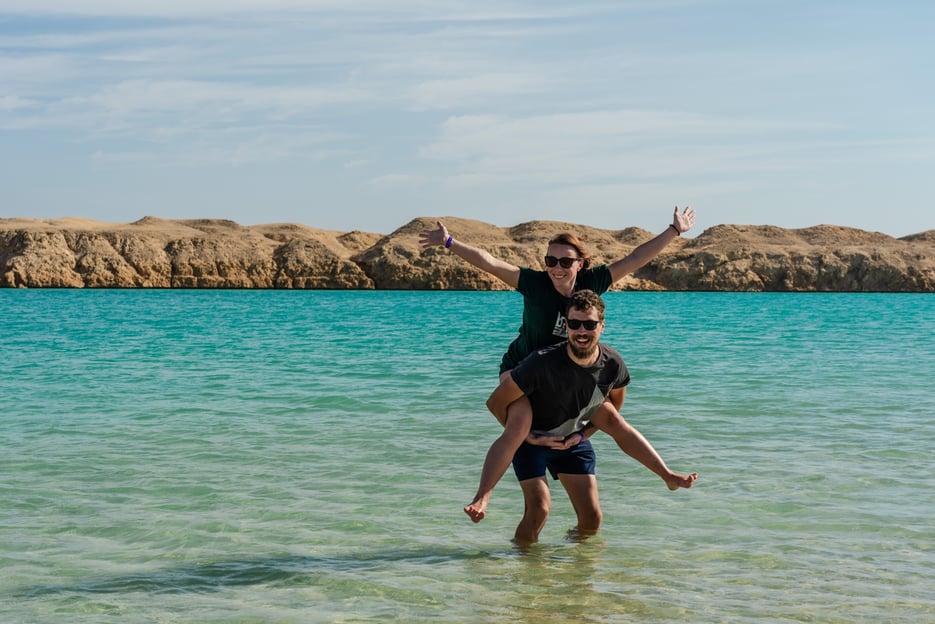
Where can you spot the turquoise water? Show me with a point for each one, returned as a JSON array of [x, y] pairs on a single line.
[[243, 456]]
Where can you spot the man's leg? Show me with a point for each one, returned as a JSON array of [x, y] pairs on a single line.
[[632, 442], [582, 491], [518, 423], [538, 501]]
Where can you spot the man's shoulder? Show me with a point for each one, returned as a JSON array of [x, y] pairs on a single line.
[[551, 352], [542, 368], [610, 351], [609, 354], [558, 347], [613, 366], [544, 358]]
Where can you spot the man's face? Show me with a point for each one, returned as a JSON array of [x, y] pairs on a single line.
[[583, 341]]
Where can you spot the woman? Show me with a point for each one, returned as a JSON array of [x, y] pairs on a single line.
[[545, 297], [568, 269]]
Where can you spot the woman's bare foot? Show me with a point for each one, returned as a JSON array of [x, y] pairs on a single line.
[[477, 509], [675, 481]]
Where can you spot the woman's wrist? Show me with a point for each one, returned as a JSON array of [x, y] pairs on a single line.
[[448, 241], [678, 232]]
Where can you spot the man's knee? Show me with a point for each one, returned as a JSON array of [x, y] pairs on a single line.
[[538, 508], [590, 519], [537, 503]]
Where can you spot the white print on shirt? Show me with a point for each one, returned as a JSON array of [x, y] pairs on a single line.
[[559, 329], [584, 416]]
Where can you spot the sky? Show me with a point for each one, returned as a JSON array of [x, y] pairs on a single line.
[[364, 114]]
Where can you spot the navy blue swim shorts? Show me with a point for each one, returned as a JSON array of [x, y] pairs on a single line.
[[531, 461]]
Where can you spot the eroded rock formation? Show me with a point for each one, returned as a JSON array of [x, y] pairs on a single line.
[[157, 253]]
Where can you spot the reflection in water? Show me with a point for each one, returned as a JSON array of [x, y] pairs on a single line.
[[218, 575], [554, 583], [537, 583]]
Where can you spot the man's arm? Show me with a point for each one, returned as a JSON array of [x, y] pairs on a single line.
[[616, 397], [501, 397]]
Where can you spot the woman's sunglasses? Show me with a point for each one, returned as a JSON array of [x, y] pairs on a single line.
[[551, 261]]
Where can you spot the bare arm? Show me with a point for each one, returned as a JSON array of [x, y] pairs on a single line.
[[501, 397], [500, 269], [681, 222], [616, 397]]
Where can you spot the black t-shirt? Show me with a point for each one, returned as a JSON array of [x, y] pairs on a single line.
[[544, 308], [563, 394]]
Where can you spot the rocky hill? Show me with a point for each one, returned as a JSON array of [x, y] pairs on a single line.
[[157, 253]]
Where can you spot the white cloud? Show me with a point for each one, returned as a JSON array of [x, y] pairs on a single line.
[[397, 180], [472, 91], [479, 10], [583, 148], [10, 103], [495, 99], [214, 99], [163, 8]]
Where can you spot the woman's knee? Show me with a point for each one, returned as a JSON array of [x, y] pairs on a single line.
[[520, 408], [605, 415], [518, 419], [514, 436]]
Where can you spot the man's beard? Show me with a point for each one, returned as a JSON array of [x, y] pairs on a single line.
[[583, 353]]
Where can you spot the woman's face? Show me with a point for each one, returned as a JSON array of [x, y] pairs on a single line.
[[560, 275]]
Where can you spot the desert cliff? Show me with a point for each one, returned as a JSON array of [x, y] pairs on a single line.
[[157, 253]]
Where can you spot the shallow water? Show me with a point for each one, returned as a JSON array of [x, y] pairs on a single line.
[[202, 456]]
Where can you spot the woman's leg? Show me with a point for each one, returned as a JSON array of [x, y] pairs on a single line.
[[632, 442], [499, 456]]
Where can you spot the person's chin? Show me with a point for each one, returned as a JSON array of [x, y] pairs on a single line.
[[583, 352]]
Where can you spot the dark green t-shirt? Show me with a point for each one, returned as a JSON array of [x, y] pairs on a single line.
[[543, 309]]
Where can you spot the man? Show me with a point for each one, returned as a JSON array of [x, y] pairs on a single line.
[[574, 387]]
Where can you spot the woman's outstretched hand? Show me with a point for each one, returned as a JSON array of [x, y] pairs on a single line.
[[437, 236], [684, 221]]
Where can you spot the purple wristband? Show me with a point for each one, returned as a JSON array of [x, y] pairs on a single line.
[[448, 242]]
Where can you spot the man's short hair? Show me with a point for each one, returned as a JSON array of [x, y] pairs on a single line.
[[584, 300]]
